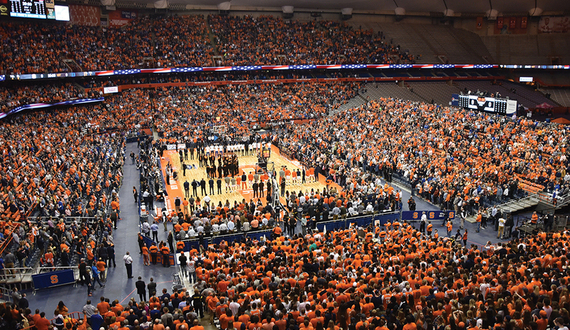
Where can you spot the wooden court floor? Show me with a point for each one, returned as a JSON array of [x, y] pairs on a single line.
[[247, 164]]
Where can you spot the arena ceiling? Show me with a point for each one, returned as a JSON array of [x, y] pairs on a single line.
[[411, 6]]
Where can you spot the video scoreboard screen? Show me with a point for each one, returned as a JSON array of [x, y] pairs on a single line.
[[38, 9], [484, 103], [28, 9]]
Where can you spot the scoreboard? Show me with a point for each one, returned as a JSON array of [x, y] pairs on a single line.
[[28, 9], [38, 9], [487, 104]]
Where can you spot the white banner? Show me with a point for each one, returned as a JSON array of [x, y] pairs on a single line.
[[110, 90]]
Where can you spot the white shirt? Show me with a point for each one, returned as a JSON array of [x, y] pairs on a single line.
[[234, 307], [128, 260], [502, 222]]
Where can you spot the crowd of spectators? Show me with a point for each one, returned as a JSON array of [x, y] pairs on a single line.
[[165, 41], [56, 164], [184, 41], [391, 277], [452, 158], [14, 96], [357, 278], [240, 107], [247, 40], [394, 278]]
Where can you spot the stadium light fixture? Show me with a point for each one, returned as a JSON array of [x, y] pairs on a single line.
[[400, 11], [534, 12], [346, 13], [225, 6], [288, 11], [492, 14], [161, 4]]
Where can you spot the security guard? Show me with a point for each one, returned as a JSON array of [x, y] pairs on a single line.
[[198, 303]]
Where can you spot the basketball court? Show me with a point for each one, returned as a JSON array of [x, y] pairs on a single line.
[[247, 164]]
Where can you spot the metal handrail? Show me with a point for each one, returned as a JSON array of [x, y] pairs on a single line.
[[47, 269], [71, 315], [5, 293], [16, 272], [8, 239], [345, 219]]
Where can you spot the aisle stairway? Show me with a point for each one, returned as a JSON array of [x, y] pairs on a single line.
[[513, 206]]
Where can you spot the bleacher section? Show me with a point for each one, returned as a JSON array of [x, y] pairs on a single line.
[[390, 89], [528, 49], [561, 96], [527, 93], [429, 41], [550, 78], [439, 92]]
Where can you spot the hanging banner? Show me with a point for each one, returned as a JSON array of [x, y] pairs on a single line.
[[84, 15], [512, 23], [549, 24], [120, 18], [500, 21], [524, 22]]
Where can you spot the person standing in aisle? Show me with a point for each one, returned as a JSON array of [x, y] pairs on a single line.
[[151, 286], [183, 260], [128, 264], [197, 302], [141, 289], [111, 256]]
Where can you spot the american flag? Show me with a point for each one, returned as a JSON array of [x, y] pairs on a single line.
[[353, 66], [129, 71], [191, 69], [302, 67], [444, 66], [246, 68], [400, 66], [483, 66]]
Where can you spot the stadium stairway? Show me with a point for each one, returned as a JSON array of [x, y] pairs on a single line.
[[513, 206], [353, 103]]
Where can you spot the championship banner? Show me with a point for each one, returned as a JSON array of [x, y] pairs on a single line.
[[84, 15], [431, 215]]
